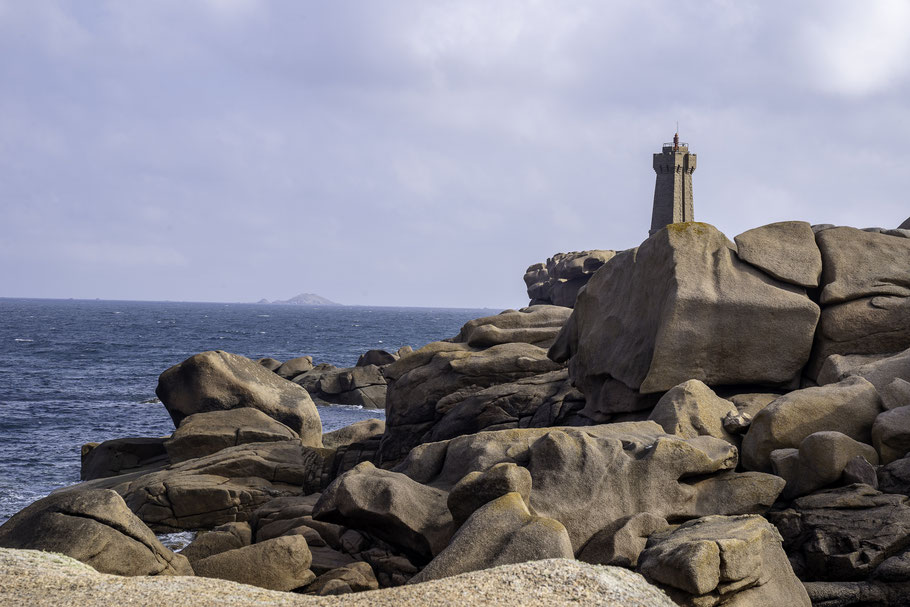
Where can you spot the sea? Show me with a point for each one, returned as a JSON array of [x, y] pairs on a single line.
[[77, 371]]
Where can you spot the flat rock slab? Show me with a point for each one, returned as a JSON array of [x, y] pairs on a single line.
[[42, 580]]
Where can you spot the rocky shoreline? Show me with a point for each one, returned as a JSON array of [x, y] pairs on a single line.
[[729, 420]]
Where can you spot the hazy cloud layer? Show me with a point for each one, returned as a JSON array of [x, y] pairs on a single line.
[[422, 153]]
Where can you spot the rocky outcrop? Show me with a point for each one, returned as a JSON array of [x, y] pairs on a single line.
[[443, 372], [821, 460], [891, 434], [849, 407], [224, 487], [785, 251], [363, 386], [843, 534], [693, 409], [380, 358], [477, 489], [290, 369], [558, 281], [683, 306], [538, 325], [203, 434], [94, 527], [356, 577], [354, 433], [390, 506], [621, 542], [538, 401], [865, 294], [501, 532], [220, 539], [588, 478], [216, 381], [718, 560], [279, 564], [122, 456]]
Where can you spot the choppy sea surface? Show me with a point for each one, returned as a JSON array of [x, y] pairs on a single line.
[[75, 371]]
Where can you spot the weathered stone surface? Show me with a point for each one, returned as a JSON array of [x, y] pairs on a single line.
[[220, 539], [871, 325], [95, 527], [47, 580], [543, 400], [122, 456], [693, 409], [587, 478], [390, 506], [501, 532], [478, 488], [859, 470], [537, 325], [275, 517], [683, 306], [443, 372], [269, 363], [849, 407], [891, 434], [364, 386], [819, 461], [279, 564], [294, 367], [858, 594], [216, 380], [889, 374], [621, 542], [224, 487], [859, 264], [326, 558], [202, 434], [718, 560], [558, 280], [895, 477], [751, 403], [356, 577], [843, 534], [784, 250], [353, 433], [840, 366], [378, 358]]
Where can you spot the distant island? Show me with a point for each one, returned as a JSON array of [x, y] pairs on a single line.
[[304, 299]]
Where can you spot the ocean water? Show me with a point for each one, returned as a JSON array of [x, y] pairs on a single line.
[[74, 371]]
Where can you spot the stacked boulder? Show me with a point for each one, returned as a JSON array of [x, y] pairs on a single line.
[[558, 281]]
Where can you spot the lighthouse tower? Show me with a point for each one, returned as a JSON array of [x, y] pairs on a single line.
[[673, 200]]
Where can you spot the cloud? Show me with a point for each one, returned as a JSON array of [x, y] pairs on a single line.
[[424, 153], [858, 49]]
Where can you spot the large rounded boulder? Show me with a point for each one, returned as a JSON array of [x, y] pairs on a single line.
[[95, 527], [218, 381]]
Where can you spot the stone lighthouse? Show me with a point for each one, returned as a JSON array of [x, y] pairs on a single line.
[[673, 190]]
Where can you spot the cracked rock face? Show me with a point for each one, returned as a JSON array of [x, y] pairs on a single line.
[[93, 526]]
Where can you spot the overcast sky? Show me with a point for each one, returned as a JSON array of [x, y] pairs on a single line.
[[422, 153]]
